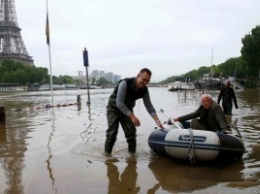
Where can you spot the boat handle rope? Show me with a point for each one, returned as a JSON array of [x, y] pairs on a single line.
[[191, 156]]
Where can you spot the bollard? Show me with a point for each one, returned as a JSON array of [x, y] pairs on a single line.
[[78, 99], [2, 114]]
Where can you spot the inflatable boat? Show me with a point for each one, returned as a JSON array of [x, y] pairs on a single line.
[[181, 142]]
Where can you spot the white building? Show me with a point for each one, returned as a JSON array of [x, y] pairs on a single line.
[[80, 73], [102, 74], [109, 76], [95, 74], [117, 78], [80, 77]]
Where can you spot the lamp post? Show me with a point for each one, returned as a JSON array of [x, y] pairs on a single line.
[[86, 64]]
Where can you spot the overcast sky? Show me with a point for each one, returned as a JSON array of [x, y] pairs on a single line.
[[170, 37]]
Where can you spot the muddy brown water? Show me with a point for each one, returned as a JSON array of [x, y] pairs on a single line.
[[60, 150]]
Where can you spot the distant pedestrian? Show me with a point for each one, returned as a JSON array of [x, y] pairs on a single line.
[[120, 109], [228, 96]]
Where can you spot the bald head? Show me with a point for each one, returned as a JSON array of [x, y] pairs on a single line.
[[206, 101], [228, 83]]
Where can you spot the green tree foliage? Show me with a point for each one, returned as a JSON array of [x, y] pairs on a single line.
[[245, 67], [62, 79], [23, 74], [16, 72], [251, 54], [102, 80], [233, 67], [191, 75], [93, 80], [39, 75]]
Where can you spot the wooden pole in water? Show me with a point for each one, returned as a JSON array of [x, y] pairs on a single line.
[[2, 115]]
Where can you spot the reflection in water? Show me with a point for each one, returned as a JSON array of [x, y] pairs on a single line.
[[48, 161], [12, 148], [249, 126], [89, 127], [2, 134], [79, 132], [250, 98], [2, 115], [176, 177], [154, 189], [79, 107], [89, 112], [126, 183]]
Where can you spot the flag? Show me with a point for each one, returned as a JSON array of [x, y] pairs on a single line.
[[47, 30]]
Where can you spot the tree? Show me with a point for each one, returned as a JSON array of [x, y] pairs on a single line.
[[250, 52], [233, 67], [93, 80], [15, 72], [103, 81], [62, 79]]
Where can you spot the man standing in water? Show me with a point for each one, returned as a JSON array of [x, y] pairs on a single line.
[[227, 94], [120, 109]]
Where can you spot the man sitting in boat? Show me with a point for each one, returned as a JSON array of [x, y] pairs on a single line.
[[211, 116]]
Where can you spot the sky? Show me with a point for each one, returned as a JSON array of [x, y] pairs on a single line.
[[170, 37]]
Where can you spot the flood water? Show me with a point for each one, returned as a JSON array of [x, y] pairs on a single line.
[[60, 150]]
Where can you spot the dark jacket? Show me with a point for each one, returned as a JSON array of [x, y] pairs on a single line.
[[132, 94], [216, 118], [227, 94]]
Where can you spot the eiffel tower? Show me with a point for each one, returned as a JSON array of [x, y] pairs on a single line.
[[11, 42]]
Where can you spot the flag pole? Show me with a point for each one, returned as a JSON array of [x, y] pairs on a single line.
[[211, 69], [49, 47]]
